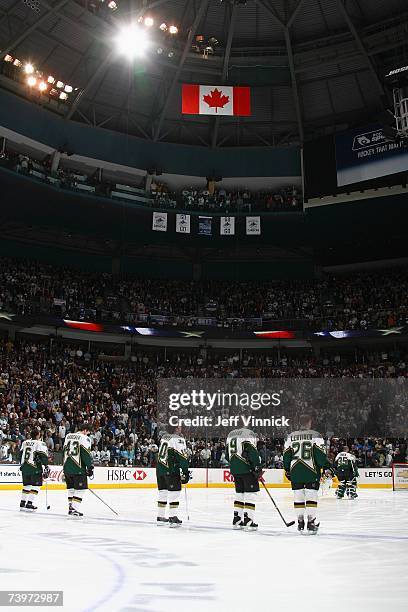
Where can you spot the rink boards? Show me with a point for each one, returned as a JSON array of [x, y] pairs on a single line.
[[145, 478]]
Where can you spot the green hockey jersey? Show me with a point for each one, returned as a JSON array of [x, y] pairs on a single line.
[[242, 454], [77, 454], [345, 465], [305, 457], [172, 456], [33, 456]]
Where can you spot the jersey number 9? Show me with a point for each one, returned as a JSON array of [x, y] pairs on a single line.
[[233, 446]]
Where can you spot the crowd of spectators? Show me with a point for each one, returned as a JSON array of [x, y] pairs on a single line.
[[287, 199], [55, 386], [63, 177], [356, 301]]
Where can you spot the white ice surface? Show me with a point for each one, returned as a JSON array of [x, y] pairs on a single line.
[[359, 559]]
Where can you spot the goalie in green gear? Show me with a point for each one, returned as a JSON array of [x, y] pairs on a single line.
[[346, 468], [78, 465], [34, 459], [245, 466], [171, 472], [304, 459]]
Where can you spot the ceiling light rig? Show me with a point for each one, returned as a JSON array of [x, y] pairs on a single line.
[[205, 45], [34, 5], [102, 8], [148, 34], [132, 41], [36, 81]]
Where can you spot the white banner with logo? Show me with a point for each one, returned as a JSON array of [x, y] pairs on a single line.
[[137, 477], [253, 226], [227, 226], [159, 223], [182, 224], [375, 476]]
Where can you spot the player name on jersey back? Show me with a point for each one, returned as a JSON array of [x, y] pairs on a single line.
[[297, 436]]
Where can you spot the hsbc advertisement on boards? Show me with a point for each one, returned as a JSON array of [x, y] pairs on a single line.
[[366, 154], [125, 475]]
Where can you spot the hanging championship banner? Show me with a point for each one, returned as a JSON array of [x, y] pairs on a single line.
[[227, 226], [205, 226], [182, 224], [253, 226], [159, 222]]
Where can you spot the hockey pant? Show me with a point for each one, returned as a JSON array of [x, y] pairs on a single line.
[[305, 502], [245, 503], [170, 497]]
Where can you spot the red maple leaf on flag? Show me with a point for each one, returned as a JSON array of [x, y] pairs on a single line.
[[216, 99]]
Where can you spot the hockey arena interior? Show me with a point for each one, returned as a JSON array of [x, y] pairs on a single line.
[[204, 305]]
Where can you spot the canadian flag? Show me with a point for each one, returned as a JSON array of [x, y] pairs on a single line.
[[216, 100]]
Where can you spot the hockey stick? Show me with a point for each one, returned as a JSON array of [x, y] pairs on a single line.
[[274, 503], [104, 502], [186, 497], [46, 496]]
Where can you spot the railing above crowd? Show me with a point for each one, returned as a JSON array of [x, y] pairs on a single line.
[[156, 195], [220, 200]]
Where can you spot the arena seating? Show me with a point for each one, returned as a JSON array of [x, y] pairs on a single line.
[[54, 387], [356, 301]]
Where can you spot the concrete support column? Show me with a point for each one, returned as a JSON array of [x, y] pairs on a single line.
[[149, 180], [55, 161]]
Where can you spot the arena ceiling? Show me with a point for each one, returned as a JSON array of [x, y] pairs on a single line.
[[314, 66]]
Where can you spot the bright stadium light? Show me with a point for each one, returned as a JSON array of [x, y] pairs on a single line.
[[31, 81], [173, 29], [51, 80], [63, 95], [42, 86], [28, 68], [148, 21], [132, 42], [163, 27]]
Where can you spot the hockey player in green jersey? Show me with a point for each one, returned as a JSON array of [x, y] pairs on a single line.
[[346, 468], [171, 472], [304, 458], [245, 465], [34, 466], [77, 467]]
